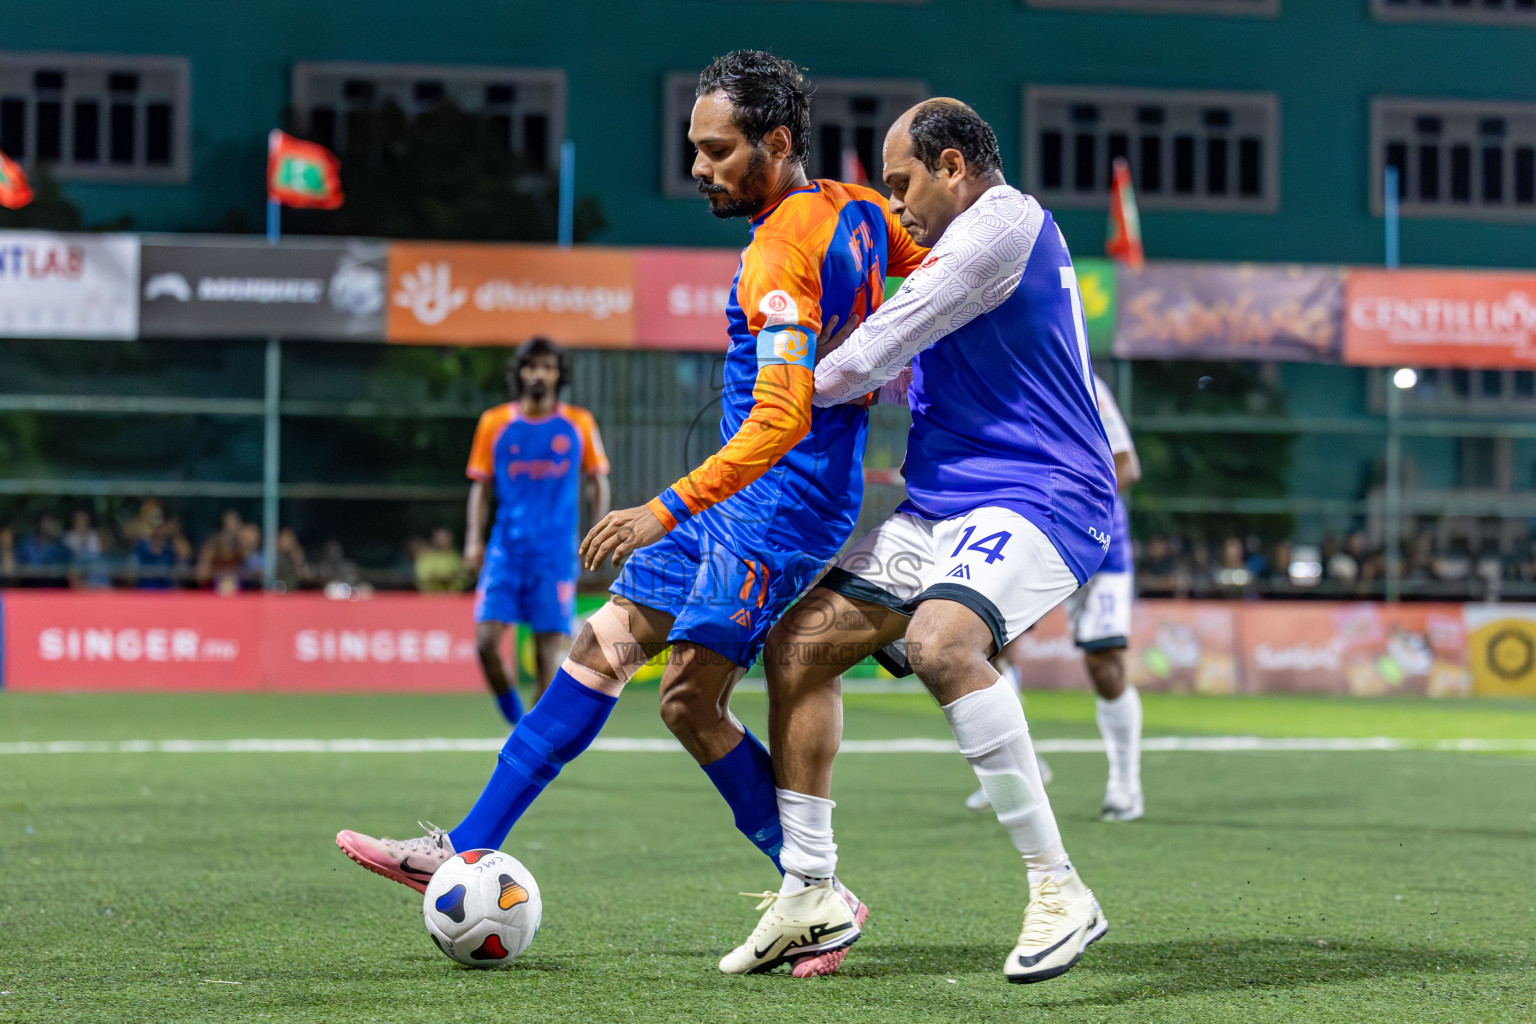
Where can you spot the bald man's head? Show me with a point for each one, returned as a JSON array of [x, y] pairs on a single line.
[[943, 123]]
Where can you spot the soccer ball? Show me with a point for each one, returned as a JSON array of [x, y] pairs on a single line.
[[482, 908]]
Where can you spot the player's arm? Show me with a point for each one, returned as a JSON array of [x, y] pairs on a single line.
[[967, 274], [596, 496], [481, 470], [1127, 465], [781, 290]]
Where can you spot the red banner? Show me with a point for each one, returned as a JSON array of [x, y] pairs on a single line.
[[681, 297], [186, 641], [1418, 318]]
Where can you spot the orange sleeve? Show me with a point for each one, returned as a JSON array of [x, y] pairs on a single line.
[[779, 290], [594, 460], [902, 254], [482, 458]]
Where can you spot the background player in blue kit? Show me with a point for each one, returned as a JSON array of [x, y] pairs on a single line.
[[542, 460]]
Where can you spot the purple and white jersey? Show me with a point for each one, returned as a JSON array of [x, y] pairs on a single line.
[[1118, 558], [1001, 393]]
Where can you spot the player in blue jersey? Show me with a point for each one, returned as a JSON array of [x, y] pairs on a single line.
[[1100, 616], [1010, 495], [711, 562], [542, 460]]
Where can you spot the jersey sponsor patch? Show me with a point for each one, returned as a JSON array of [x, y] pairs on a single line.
[[786, 343], [779, 308]]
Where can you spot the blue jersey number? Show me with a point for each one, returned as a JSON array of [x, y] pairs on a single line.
[[993, 553]]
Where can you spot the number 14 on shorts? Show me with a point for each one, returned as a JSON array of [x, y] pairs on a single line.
[[991, 545]]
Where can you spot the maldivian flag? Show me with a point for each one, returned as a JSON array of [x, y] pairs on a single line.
[[1124, 241], [14, 190], [301, 173], [853, 167]]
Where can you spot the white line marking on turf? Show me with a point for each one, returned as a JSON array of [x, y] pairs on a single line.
[[912, 745]]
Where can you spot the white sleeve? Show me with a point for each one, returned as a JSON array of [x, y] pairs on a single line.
[[1114, 424], [975, 267]]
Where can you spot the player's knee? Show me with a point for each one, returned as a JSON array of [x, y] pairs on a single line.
[[940, 658], [688, 711], [1107, 670], [488, 640]]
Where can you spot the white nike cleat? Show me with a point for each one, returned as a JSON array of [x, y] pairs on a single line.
[[819, 965], [1122, 803], [979, 801], [1062, 919], [816, 920], [410, 862]]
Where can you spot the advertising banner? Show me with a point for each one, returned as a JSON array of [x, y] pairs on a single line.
[[1364, 650], [1428, 318], [1096, 284], [1501, 643], [141, 641], [197, 641], [1281, 312], [680, 297], [228, 286], [68, 286], [446, 294]]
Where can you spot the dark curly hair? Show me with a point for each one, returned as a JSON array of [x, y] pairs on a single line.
[[526, 353], [766, 91], [938, 126]]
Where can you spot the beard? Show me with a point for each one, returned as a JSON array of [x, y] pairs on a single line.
[[538, 390], [749, 200]]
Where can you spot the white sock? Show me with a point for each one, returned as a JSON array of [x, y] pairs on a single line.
[[1011, 675], [990, 729], [809, 855], [1120, 725]]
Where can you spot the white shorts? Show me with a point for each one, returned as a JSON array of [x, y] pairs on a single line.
[[992, 560], [1100, 612]]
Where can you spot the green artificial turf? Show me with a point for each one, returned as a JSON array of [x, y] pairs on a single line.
[[1351, 887]]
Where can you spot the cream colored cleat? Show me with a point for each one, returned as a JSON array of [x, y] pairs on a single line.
[[1062, 919], [813, 921]]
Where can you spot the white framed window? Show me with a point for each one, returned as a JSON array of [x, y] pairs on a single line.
[[849, 118], [1467, 159], [1240, 8], [1216, 151], [1485, 12], [524, 107], [97, 117]]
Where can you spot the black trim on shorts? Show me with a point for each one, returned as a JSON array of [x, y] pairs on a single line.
[[975, 601], [841, 581], [893, 658], [1107, 643]]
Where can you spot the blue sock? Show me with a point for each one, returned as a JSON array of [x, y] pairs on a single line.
[[745, 778], [561, 725], [511, 706]]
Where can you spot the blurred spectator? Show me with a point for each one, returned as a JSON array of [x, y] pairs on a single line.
[[160, 555], [1338, 565], [87, 554], [151, 513], [252, 560], [220, 560], [1233, 570], [1456, 563], [7, 552], [41, 555], [335, 567], [439, 566], [293, 570]]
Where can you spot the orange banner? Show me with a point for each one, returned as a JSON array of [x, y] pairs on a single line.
[[1421, 318], [448, 294]]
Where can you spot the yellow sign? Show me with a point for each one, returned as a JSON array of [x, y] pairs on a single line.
[[1503, 656]]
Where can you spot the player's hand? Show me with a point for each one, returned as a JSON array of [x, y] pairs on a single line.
[[833, 336], [474, 558], [619, 535]]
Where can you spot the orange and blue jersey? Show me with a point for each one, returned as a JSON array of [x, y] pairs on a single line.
[[536, 468], [750, 528]]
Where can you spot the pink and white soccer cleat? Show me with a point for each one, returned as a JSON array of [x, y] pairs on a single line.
[[826, 963], [410, 862]]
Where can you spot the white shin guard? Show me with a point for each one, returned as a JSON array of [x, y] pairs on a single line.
[[1120, 725], [808, 852], [990, 729]]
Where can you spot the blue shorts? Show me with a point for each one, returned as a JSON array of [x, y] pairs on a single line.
[[543, 600], [723, 591]]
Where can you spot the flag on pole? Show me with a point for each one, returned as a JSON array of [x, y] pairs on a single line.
[[1124, 241], [303, 174], [853, 167], [14, 190]]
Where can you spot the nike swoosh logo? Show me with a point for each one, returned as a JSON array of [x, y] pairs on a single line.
[[1030, 961], [405, 868], [761, 953]]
